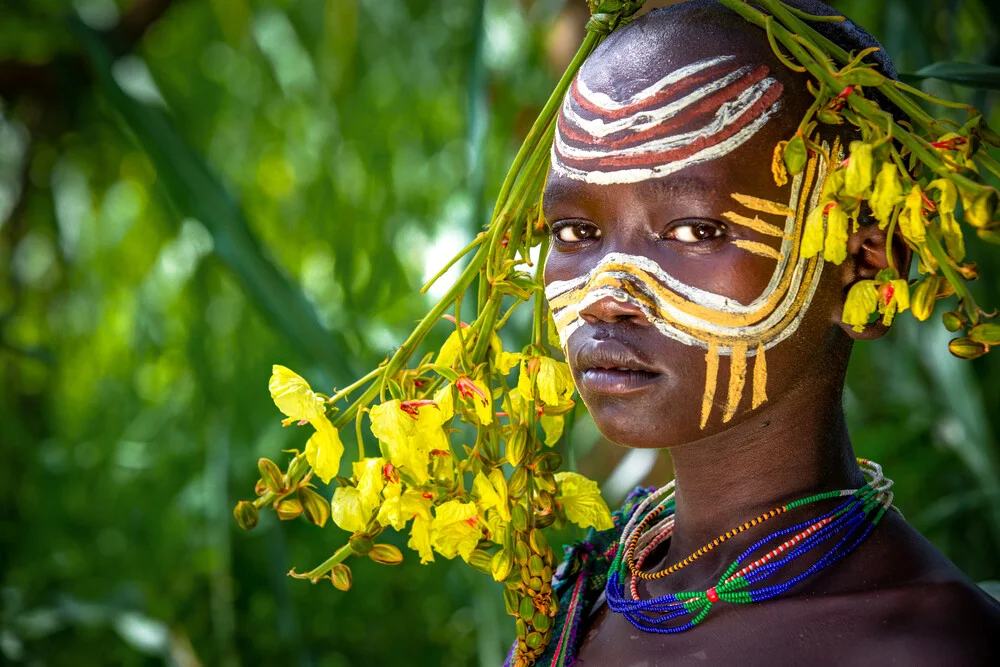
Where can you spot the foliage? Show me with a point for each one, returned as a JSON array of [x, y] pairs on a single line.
[[135, 351]]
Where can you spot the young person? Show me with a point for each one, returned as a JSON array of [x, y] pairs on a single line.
[[693, 321]]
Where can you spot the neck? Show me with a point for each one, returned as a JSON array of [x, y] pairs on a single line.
[[792, 448]]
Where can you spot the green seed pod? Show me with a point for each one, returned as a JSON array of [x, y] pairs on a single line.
[[482, 561], [246, 515], [271, 474], [315, 506], [535, 565], [541, 621], [987, 334], [288, 509], [526, 609], [517, 447], [953, 321], [521, 628], [535, 584], [533, 640], [796, 155], [966, 348], [341, 577], [501, 564], [547, 573], [545, 481], [524, 574], [361, 544]]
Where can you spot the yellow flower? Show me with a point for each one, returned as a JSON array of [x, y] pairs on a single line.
[[353, 506], [478, 393], [859, 169], [451, 351], [491, 492], [911, 220], [293, 395], [324, 450], [401, 506], [582, 502], [553, 380], [887, 193], [861, 302], [349, 509], [420, 539], [894, 297], [950, 229], [408, 432], [979, 209], [835, 248], [812, 237], [455, 529]]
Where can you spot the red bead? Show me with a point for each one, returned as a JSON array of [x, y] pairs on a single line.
[[712, 595]]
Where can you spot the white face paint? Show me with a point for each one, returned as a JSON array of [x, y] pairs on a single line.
[[693, 115]]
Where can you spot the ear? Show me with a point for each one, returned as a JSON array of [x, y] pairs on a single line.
[[866, 256]]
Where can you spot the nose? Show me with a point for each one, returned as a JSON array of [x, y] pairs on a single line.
[[612, 311]]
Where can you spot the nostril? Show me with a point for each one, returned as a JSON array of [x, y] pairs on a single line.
[[609, 309]]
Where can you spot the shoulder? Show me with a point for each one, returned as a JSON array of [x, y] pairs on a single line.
[[942, 623]]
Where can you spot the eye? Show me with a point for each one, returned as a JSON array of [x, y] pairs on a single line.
[[576, 232], [695, 231]]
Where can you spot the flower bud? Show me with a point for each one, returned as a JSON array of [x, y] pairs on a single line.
[[533, 640], [829, 117], [863, 76], [521, 553], [341, 577], [386, 554], [315, 506], [526, 609], [271, 474], [519, 518], [924, 297], [288, 509], [518, 482], [953, 321], [990, 233], [246, 515], [361, 543], [541, 621], [980, 208], [537, 541], [260, 488], [966, 348], [482, 561], [548, 462], [545, 482], [297, 469], [796, 155], [535, 565], [545, 518], [510, 601], [501, 565], [517, 446], [987, 334]]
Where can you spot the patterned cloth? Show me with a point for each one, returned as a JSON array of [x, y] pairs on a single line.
[[578, 583]]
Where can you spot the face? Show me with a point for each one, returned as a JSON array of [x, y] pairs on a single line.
[[674, 276]]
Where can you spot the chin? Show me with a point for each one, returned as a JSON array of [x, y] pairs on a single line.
[[659, 415]]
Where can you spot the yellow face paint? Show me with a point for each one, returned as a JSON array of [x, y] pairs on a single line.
[[720, 325]]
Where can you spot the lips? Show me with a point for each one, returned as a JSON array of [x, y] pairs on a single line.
[[611, 367]]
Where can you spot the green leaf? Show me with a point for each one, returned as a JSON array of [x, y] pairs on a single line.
[[965, 74]]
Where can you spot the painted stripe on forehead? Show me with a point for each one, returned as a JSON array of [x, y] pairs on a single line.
[[686, 118], [606, 102]]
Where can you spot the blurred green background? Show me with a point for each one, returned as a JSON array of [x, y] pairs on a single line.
[[191, 191]]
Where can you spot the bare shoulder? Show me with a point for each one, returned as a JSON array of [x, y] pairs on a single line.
[[941, 623]]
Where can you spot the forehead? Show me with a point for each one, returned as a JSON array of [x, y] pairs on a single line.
[[660, 99]]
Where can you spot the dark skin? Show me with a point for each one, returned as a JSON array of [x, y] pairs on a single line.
[[896, 599]]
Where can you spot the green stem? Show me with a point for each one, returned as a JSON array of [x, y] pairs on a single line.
[[964, 295], [338, 557], [538, 333], [462, 253], [351, 387]]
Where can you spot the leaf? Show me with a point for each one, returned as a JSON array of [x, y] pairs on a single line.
[[972, 75]]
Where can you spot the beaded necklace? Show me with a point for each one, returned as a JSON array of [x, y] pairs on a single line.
[[852, 520]]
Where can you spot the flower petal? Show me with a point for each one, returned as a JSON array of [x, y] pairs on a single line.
[[582, 501]]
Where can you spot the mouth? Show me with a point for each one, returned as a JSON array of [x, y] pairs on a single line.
[[610, 367]]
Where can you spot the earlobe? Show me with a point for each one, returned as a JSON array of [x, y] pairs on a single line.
[[867, 257]]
